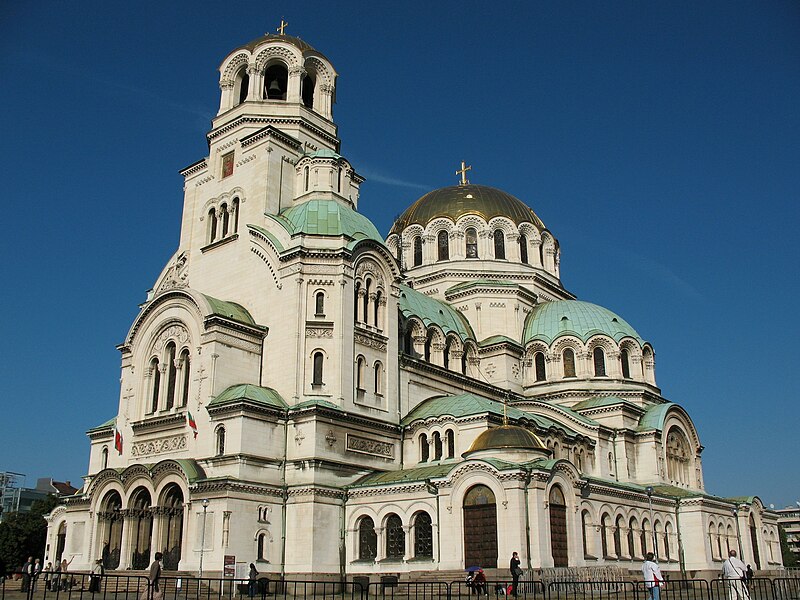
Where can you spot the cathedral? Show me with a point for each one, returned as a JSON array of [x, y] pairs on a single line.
[[300, 392]]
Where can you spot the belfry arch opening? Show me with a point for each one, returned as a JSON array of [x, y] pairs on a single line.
[[307, 91], [276, 80]]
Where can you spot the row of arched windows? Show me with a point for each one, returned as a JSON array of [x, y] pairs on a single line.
[[436, 448], [223, 221], [595, 365], [276, 85], [471, 246], [368, 304], [169, 379], [391, 537], [625, 539], [361, 376]]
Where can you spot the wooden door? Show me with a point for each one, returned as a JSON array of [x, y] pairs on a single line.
[[480, 528], [558, 528]]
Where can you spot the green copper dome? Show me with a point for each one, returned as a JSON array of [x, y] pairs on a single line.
[[327, 217], [459, 200], [551, 320]]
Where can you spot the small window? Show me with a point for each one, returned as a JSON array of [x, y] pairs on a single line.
[[437, 446], [378, 369], [225, 216], [599, 362], [499, 244], [377, 309], [235, 212], [423, 536], [626, 367], [538, 360], [569, 363], [451, 443], [262, 547], [395, 537], [186, 368], [317, 376], [319, 304], [172, 375], [306, 177], [365, 300], [155, 372], [443, 245], [227, 165], [360, 374], [355, 301], [220, 441], [417, 251], [367, 539], [472, 243], [523, 249], [104, 460], [424, 448], [212, 225]]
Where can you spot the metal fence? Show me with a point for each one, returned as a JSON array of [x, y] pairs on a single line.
[[83, 586]]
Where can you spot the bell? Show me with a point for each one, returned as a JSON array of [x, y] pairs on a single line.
[[274, 91]]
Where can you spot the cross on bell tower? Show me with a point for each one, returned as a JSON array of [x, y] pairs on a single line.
[[463, 172], [282, 27]]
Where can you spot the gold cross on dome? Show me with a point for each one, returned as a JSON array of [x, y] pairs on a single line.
[[463, 172], [282, 27]]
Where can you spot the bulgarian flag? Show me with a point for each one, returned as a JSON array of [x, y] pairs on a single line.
[[192, 423], [117, 440]]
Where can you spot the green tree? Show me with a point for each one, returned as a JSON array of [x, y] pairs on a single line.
[[789, 557], [24, 534]]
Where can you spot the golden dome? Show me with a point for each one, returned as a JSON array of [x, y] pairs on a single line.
[[507, 437], [458, 200]]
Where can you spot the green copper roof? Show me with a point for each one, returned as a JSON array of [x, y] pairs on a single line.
[[327, 217], [324, 153], [275, 241], [456, 201], [259, 395], [654, 417], [461, 405], [405, 475], [496, 339], [314, 402], [107, 425], [431, 310], [230, 310], [459, 287], [551, 320], [194, 472], [602, 402]]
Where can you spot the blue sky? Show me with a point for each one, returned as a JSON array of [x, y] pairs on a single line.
[[660, 142]]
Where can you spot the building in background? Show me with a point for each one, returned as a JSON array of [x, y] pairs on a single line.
[[14, 497], [300, 392], [789, 520]]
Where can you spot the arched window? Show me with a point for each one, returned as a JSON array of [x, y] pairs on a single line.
[[365, 300], [423, 535], [523, 249], [643, 537], [367, 539], [443, 245], [678, 456], [395, 537], [275, 82], [599, 362], [212, 225], [424, 448], [584, 524], [464, 360], [428, 342], [376, 309], [712, 533], [319, 304], [667, 538], [360, 362], [186, 368], [104, 458], [604, 525], [472, 242], [451, 443], [378, 371], [155, 372], [437, 446], [568, 358], [355, 301], [317, 374], [262, 547], [631, 538], [308, 91], [243, 82], [446, 354], [538, 362], [624, 359], [499, 244], [235, 213], [417, 251], [220, 444], [225, 216], [306, 178], [172, 375], [618, 537]]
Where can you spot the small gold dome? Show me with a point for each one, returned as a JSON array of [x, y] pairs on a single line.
[[507, 437]]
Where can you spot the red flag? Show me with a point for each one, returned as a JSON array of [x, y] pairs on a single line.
[[192, 423], [118, 440]]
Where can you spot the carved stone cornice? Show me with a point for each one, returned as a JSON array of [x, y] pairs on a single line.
[[197, 167], [159, 423], [276, 122], [370, 339], [271, 132]]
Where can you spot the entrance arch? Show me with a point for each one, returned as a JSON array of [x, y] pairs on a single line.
[[61, 541], [142, 526], [558, 527], [171, 526], [111, 523], [480, 528]]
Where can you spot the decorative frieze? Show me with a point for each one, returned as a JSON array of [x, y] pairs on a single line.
[[160, 446], [319, 332], [370, 342], [368, 446]]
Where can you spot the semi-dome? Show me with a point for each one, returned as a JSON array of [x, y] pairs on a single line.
[[327, 217], [551, 320], [506, 437], [456, 201]]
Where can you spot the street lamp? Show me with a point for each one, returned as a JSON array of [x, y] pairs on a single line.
[[649, 491], [738, 532], [203, 535]]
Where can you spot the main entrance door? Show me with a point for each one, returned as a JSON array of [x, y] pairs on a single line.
[[558, 527], [480, 528]]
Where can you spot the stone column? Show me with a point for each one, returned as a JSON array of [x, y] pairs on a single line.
[[256, 83], [226, 98], [293, 92]]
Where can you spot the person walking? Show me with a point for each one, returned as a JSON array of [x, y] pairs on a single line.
[[48, 576], [516, 572], [653, 579], [252, 582], [97, 576], [734, 572], [35, 572], [154, 577], [27, 569]]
